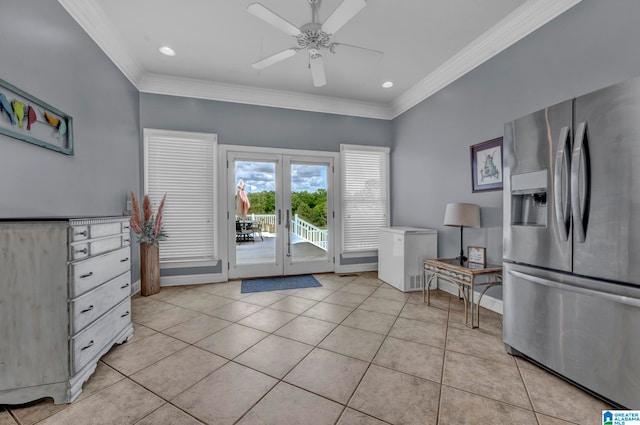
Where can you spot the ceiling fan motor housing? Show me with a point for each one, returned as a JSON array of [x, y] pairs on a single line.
[[313, 38]]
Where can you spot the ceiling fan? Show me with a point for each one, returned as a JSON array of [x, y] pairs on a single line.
[[312, 37]]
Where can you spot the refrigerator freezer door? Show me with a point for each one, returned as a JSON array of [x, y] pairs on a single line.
[[583, 329], [536, 165], [610, 208]]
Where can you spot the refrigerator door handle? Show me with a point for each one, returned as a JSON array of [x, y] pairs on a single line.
[[560, 193], [580, 165], [584, 291]]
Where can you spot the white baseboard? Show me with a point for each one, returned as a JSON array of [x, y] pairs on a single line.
[[487, 302], [135, 287]]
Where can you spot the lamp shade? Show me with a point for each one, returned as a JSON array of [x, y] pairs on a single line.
[[462, 215]]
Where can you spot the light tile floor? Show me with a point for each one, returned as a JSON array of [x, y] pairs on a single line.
[[356, 351]]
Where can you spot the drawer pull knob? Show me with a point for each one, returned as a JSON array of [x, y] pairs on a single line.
[[124, 260], [82, 276], [124, 286], [127, 240], [125, 315], [83, 233], [87, 346], [82, 251], [88, 309]]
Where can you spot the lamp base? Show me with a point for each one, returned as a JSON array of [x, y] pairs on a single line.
[[461, 257]]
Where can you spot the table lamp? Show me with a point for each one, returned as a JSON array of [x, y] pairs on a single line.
[[462, 215]]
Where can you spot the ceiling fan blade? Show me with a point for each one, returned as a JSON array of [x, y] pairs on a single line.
[[270, 17], [317, 71], [343, 14], [285, 54], [332, 48]]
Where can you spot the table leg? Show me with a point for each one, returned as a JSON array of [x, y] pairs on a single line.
[[424, 285], [473, 306], [428, 292]]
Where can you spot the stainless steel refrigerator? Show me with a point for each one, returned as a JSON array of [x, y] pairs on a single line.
[[572, 240]]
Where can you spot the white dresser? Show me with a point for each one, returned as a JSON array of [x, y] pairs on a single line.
[[65, 300]]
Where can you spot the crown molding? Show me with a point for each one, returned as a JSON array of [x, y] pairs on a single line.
[[201, 89], [524, 20], [521, 22], [94, 22]]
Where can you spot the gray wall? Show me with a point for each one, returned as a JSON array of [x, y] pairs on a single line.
[[45, 53], [250, 125], [590, 46]]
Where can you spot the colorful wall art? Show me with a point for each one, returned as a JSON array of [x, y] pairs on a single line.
[[31, 120]]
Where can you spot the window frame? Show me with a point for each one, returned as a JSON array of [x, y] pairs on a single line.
[[344, 250], [148, 137]]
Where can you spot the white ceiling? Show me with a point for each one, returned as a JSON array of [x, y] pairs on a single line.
[[426, 44]]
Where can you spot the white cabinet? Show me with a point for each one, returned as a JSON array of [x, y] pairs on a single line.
[[65, 299], [400, 254]]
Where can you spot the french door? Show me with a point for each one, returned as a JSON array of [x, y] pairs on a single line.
[[283, 222]]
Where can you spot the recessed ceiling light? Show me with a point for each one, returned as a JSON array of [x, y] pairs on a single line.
[[387, 84], [167, 51]]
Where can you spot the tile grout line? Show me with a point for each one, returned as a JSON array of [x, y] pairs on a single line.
[[294, 366], [444, 356], [373, 358], [524, 384], [302, 359]]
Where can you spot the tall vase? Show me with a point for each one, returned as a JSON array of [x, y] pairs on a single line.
[[149, 269]]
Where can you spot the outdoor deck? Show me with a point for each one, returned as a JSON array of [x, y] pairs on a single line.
[[263, 251]]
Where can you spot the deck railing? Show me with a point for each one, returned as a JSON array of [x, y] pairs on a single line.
[[309, 232], [305, 230]]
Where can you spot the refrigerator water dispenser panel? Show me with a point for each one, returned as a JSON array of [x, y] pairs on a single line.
[[529, 199]]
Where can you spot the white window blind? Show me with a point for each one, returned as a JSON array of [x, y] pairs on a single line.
[[365, 196], [182, 165]]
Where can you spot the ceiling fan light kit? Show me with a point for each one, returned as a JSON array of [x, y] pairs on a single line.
[[312, 37]]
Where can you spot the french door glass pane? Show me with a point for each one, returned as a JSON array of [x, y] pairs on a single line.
[[255, 212], [308, 230]]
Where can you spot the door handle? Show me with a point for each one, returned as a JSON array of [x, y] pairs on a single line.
[[621, 299], [580, 172], [279, 217], [288, 226], [561, 202]]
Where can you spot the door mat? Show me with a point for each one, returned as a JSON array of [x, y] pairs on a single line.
[[278, 283]]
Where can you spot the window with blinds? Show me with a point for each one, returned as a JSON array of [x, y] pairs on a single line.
[[365, 196], [183, 165]]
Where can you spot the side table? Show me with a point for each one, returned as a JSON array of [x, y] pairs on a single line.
[[464, 276]]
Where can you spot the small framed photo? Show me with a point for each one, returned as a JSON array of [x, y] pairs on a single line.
[[486, 166], [477, 255]]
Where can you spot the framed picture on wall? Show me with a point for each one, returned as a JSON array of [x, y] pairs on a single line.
[[486, 166]]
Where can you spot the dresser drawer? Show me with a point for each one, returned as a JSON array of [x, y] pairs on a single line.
[[87, 274], [93, 247], [88, 343], [78, 250], [79, 233], [95, 303], [104, 229]]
